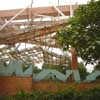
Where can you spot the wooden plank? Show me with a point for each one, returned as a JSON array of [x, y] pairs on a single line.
[[50, 11], [30, 37]]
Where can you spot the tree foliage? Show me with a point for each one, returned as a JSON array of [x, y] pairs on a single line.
[[83, 32]]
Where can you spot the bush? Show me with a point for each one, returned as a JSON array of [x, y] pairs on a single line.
[[66, 94]]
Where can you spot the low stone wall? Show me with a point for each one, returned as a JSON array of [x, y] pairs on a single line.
[[11, 85]]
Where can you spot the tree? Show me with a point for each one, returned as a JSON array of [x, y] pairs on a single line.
[[83, 32]]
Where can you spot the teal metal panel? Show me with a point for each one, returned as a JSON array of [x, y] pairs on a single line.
[[41, 75], [16, 68], [7, 70], [68, 73], [76, 76], [28, 72], [92, 76], [59, 75], [52, 73], [2, 65], [19, 69]]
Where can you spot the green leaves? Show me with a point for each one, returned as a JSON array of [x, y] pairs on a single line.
[[83, 33]]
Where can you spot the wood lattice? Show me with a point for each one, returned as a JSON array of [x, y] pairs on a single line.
[[38, 33]]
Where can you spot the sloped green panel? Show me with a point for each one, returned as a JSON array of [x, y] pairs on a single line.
[[7, 70], [76, 75], [41, 75], [58, 75], [55, 74], [19, 69], [2, 65], [16, 68], [28, 71], [92, 76], [68, 73]]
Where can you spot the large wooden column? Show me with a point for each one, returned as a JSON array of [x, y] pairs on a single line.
[[74, 59]]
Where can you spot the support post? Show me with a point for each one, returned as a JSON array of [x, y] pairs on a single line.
[[59, 11], [71, 9], [74, 59]]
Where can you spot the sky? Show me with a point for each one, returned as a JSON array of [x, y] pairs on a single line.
[[13, 4]]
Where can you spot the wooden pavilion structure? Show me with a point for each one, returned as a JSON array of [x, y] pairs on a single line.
[[28, 26]]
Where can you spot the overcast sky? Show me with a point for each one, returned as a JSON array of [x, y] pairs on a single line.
[[13, 4]]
